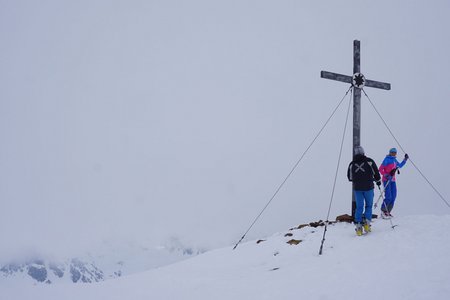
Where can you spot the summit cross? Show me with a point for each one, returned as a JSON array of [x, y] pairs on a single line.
[[358, 82]]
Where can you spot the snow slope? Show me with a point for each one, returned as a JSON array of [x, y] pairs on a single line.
[[408, 262]]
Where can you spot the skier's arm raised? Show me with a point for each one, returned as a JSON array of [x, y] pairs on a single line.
[[400, 165]]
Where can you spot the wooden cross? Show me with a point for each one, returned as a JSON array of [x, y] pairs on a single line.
[[358, 82]]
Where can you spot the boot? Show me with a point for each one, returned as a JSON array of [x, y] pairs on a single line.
[[367, 227], [385, 215], [358, 229]]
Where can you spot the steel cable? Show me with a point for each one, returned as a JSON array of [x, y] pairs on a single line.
[[292, 170]]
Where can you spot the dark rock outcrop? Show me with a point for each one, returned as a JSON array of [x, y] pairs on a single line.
[[85, 272], [37, 272]]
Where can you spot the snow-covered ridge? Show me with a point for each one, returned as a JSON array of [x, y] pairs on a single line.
[[408, 262], [113, 260], [44, 271]]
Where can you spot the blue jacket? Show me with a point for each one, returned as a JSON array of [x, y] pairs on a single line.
[[389, 163]]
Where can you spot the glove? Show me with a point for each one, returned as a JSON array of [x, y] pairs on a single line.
[[406, 156], [392, 173], [378, 182]]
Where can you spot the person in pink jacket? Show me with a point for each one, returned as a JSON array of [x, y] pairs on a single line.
[[388, 168]]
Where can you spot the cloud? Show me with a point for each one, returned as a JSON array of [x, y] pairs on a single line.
[[155, 120]]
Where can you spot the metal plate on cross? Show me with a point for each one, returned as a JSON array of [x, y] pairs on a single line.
[[358, 80]]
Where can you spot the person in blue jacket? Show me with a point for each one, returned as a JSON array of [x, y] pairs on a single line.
[[388, 168]]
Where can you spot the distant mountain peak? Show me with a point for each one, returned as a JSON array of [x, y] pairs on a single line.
[[47, 271], [114, 261]]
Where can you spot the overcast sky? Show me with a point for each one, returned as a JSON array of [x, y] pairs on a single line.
[[154, 119]]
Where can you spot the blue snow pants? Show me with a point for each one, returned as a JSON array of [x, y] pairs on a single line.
[[364, 202], [389, 196]]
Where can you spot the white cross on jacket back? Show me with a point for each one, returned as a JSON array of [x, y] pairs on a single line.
[[363, 171]]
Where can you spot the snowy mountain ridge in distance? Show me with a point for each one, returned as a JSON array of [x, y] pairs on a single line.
[[410, 262], [113, 260]]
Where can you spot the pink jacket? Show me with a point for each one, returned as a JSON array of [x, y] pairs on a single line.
[[389, 163]]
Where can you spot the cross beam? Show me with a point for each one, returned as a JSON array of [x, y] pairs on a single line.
[[358, 81], [349, 79]]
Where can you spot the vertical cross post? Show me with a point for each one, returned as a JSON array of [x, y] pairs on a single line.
[[358, 81], [356, 108]]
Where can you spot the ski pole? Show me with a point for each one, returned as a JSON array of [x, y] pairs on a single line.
[[381, 193], [390, 218]]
